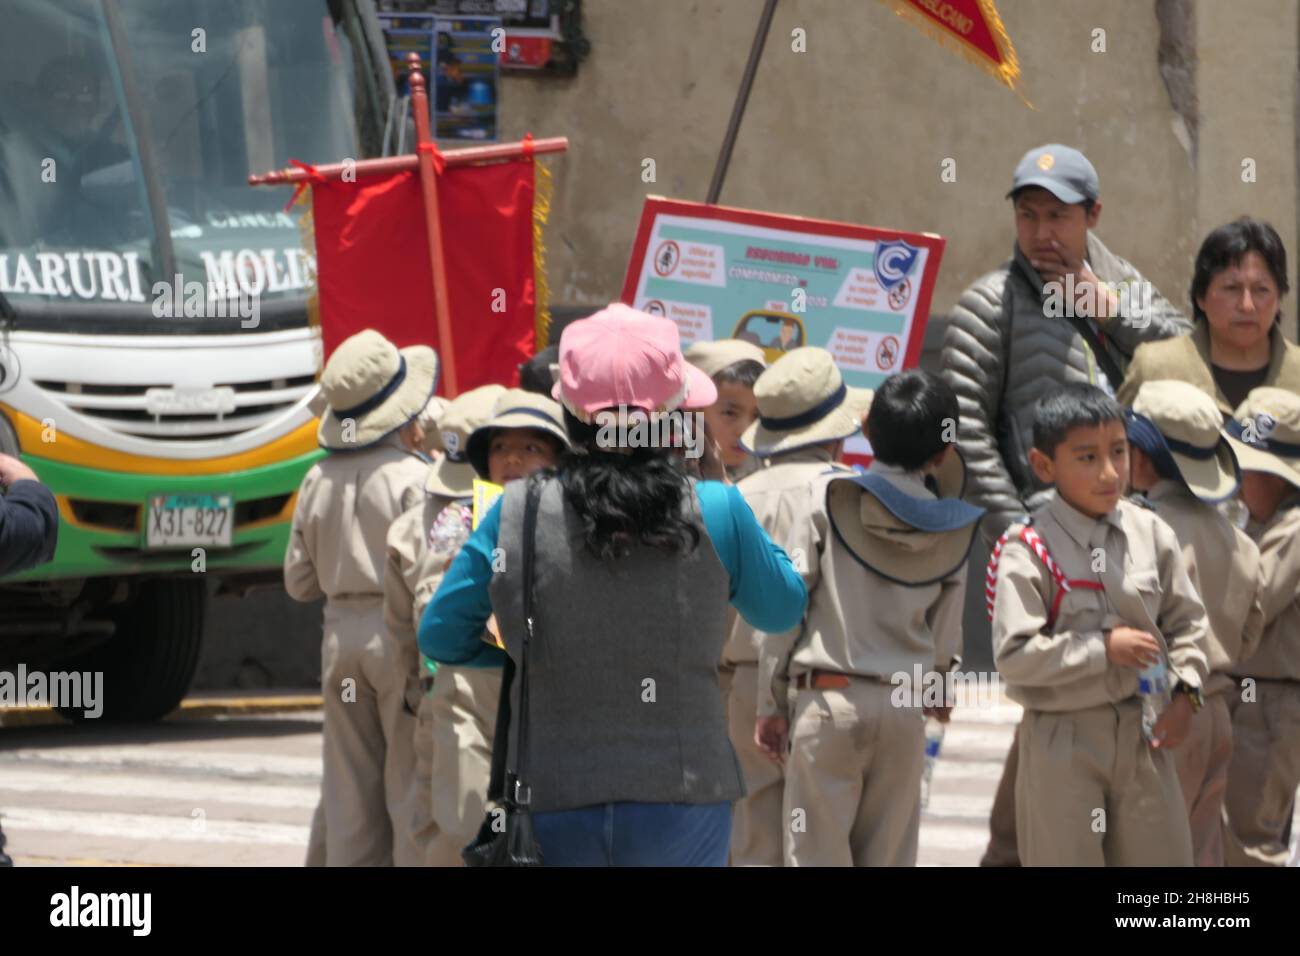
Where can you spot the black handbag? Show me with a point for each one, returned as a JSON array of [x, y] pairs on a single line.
[[506, 836]]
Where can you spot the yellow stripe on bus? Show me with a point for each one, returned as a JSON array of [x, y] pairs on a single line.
[[74, 451]]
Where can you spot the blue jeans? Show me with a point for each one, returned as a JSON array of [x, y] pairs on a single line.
[[636, 834]]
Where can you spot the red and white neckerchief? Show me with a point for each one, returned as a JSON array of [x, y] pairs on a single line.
[[1063, 584]]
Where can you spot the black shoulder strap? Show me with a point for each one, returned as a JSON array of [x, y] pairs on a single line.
[[501, 737]]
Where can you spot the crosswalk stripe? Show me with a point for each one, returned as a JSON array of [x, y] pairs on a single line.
[[142, 826], [157, 758], [156, 786]]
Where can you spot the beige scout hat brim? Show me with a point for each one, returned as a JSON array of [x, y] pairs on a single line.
[[517, 408], [1253, 459], [842, 421], [712, 357], [897, 529], [374, 424], [1210, 479], [1265, 433], [1180, 426], [452, 475]]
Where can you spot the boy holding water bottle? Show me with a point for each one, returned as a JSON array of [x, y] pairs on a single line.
[[1087, 595], [884, 608], [1184, 465]]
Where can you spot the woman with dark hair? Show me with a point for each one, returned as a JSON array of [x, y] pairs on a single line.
[[1237, 344], [628, 756]]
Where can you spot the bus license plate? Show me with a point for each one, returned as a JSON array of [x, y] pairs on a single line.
[[181, 521]]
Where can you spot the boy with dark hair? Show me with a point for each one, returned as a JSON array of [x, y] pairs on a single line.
[[1265, 767], [1085, 594], [1184, 465], [734, 367], [886, 605]]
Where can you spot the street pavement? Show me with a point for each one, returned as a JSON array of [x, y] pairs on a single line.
[[227, 786]]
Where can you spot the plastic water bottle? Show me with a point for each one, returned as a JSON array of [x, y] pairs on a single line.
[[933, 741], [1153, 685]]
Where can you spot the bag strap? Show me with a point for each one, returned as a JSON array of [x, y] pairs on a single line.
[[501, 736], [519, 793]]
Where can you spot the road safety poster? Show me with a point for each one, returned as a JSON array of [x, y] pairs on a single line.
[[860, 292]]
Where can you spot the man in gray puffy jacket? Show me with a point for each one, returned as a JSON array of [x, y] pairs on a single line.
[[1064, 308]]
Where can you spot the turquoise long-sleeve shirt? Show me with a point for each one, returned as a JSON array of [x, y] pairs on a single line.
[[765, 588]]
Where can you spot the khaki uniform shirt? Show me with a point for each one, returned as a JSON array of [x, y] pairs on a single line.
[[1224, 566], [413, 568], [782, 500], [1137, 560], [1278, 656], [860, 623], [346, 504]]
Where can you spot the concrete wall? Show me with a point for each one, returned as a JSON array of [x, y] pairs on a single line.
[[857, 127]]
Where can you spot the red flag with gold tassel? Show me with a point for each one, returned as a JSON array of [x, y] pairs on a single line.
[[373, 270], [972, 27]]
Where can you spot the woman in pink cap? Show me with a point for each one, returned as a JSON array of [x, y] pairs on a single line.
[[627, 755]]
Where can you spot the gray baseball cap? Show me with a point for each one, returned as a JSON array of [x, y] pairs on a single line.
[[1062, 171]]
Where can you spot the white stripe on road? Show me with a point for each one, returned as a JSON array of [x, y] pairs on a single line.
[[140, 826], [940, 837], [154, 757], [23, 779]]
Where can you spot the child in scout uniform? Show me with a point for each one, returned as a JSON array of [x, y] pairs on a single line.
[[525, 433], [805, 413], [734, 367], [1184, 465], [346, 503], [1265, 705], [416, 557], [885, 606], [1086, 594]]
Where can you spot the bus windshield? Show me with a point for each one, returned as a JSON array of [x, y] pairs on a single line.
[[128, 131]]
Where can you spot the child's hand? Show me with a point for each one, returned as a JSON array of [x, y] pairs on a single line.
[[1129, 647], [770, 734], [943, 713], [1173, 725]]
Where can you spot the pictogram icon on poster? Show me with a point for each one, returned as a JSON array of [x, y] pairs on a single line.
[[666, 257], [887, 353], [655, 307], [899, 295]]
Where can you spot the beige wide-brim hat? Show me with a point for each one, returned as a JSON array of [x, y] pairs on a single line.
[[1185, 428], [516, 408], [371, 389], [712, 357], [894, 526], [802, 400], [428, 419], [1265, 433], [452, 475]]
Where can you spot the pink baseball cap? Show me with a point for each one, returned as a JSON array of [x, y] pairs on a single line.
[[622, 357]]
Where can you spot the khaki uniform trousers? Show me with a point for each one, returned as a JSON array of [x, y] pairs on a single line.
[[756, 821], [1202, 764], [1262, 778], [854, 770], [368, 792], [1090, 791], [463, 707], [1002, 849]]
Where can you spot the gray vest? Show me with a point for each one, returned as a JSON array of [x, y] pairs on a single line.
[[623, 674]]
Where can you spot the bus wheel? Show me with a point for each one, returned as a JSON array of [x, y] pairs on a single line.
[[149, 662]]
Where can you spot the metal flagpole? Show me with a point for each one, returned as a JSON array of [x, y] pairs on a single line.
[[742, 98]]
